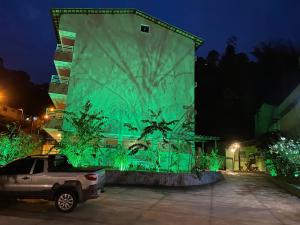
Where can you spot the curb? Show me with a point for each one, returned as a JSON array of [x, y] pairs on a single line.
[[292, 189]]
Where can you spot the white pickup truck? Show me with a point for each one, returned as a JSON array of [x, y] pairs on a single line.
[[51, 177]]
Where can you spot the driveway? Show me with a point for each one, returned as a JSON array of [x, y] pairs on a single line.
[[239, 199]]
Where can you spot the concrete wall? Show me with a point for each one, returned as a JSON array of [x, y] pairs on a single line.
[[125, 72], [264, 119]]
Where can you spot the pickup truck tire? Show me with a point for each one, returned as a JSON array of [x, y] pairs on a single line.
[[66, 201]]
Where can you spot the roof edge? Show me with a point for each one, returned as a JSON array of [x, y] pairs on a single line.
[[57, 12]]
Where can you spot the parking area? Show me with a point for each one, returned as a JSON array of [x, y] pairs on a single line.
[[239, 199]]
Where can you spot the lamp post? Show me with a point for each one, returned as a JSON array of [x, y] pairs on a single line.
[[22, 117]]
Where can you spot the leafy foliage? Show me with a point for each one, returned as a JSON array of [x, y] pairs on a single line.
[[215, 161], [271, 168], [283, 157], [82, 144], [211, 161], [152, 125], [15, 144], [136, 147], [121, 159], [155, 125]]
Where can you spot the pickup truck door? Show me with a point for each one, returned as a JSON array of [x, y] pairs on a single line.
[[15, 177], [40, 182]]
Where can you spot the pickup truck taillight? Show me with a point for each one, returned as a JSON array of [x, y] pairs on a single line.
[[92, 177]]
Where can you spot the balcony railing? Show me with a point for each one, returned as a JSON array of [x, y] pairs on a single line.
[[55, 113], [59, 84], [64, 53]]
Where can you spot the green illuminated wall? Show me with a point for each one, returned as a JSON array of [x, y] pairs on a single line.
[[125, 72]]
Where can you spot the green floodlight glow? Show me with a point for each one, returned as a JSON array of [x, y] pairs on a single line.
[[13, 146], [124, 74], [271, 168], [214, 161]]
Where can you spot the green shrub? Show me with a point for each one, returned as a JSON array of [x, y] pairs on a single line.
[[215, 161], [283, 157], [16, 146], [271, 168]]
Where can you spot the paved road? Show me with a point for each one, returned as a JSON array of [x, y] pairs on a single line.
[[237, 200]]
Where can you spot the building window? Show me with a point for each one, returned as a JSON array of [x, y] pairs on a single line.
[[145, 28]]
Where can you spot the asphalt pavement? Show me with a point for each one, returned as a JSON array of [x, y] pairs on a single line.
[[238, 200]]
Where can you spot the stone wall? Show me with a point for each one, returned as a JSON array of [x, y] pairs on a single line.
[[161, 179]]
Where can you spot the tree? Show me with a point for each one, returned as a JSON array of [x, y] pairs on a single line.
[[81, 144], [21, 92], [277, 69], [16, 144]]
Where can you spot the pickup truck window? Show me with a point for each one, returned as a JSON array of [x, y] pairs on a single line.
[[58, 164], [39, 166], [22, 166]]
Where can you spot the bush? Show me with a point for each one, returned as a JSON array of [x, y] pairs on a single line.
[[211, 161], [215, 161], [271, 168], [283, 157], [83, 142], [15, 146]]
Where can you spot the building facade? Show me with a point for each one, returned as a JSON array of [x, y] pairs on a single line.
[[126, 63], [284, 118]]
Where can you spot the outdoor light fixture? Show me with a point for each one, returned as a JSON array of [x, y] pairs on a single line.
[[234, 147], [46, 117]]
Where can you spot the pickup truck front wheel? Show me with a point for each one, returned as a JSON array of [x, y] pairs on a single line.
[[66, 201]]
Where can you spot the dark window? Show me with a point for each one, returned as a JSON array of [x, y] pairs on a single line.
[[58, 163], [39, 166], [145, 28], [22, 166]]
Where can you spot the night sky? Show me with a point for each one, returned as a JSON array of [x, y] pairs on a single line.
[[27, 40]]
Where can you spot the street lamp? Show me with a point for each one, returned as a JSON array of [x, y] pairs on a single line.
[[22, 118]]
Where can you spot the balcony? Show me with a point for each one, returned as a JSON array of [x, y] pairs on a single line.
[[53, 124], [59, 100], [64, 54], [63, 71], [55, 113], [59, 85], [67, 41], [67, 38]]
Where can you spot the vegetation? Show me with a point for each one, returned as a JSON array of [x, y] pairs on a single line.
[[15, 144], [20, 92], [82, 144], [283, 158], [232, 86], [208, 161]]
